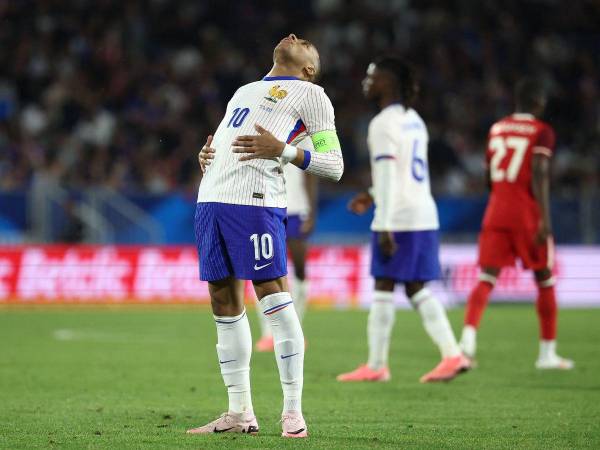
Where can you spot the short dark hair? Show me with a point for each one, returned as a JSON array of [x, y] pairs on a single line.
[[528, 93], [406, 76]]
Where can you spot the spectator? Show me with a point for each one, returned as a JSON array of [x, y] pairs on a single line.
[[124, 92]]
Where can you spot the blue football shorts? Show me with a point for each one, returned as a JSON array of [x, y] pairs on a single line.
[[247, 242]]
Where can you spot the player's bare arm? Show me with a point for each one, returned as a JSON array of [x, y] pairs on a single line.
[[388, 177], [541, 191], [386, 242], [312, 190], [326, 162]]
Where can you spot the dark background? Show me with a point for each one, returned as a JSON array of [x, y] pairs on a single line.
[[121, 94]]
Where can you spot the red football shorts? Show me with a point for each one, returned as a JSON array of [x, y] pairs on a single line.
[[501, 248]]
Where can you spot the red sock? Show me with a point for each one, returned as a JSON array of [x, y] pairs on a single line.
[[477, 302], [547, 312]]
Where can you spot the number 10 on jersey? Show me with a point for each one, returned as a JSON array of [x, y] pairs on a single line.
[[238, 117], [263, 246]]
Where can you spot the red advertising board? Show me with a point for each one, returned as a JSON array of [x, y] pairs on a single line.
[[338, 275]]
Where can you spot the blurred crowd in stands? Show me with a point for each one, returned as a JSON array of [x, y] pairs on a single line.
[[123, 93]]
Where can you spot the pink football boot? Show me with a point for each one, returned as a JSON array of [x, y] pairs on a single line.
[[447, 369], [365, 373], [293, 425], [229, 423], [265, 344]]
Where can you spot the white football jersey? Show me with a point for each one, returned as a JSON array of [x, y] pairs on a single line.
[[290, 109], [295, 185], [398, 141]]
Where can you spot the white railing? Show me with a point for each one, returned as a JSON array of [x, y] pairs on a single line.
[[52, 208]]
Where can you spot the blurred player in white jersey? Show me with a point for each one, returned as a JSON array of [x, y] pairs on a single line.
[[240, 222], [301, 189], [405, 226]]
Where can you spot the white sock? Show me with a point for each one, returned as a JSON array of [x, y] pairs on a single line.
[[234, 348], [547, 349], [300, 294], [289, 346], [265, 326], [379, 328], [436, 322], [468, 341]]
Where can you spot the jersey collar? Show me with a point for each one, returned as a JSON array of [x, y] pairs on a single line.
[[523, 116], [397, 105], [280, 78]]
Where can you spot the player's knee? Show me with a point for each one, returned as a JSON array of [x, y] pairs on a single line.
[[413, 287], [485, 277], [300, 272], [544, 279], [262, 288], [225, 307], [542, 275], [490, 271], [384, 284]]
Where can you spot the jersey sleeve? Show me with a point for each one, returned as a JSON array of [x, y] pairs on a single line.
[[316, 112], [380, 142], [384, 171], [544, 144]]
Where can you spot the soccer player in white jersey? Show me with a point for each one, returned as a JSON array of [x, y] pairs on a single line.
[[405, 226], [301, 189], [240, 223]]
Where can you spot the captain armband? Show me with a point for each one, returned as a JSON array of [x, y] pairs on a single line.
[[325, 141]]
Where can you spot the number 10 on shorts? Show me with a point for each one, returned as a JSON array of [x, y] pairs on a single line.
[[263, 246]]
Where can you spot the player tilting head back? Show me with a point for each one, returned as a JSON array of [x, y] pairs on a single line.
[[405, 226], [240, 220], [517, 219]]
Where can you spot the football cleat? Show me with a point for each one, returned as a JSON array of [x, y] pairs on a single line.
[[229, 423], [293, 425], [265, 344], [554, 362], [447, 369], [365, 373]]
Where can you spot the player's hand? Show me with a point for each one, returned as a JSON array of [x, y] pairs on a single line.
[[543, 233], [387, 244], [360, 203], [308, 225], [260, 146], [206, 154]]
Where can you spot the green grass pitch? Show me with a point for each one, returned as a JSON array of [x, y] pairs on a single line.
[[139, 377]]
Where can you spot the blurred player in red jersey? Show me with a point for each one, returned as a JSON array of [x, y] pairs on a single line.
[[517, 219]]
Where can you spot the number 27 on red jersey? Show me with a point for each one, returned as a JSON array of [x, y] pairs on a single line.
[[499, 146]]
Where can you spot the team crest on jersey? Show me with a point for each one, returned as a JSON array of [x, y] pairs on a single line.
[[276, 94]]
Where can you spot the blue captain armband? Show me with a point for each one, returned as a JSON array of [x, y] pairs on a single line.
[[306, 160]]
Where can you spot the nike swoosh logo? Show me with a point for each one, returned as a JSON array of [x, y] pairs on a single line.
[[289, 356], [222, 431], [297, 431], [225, 362], [257, 267]]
